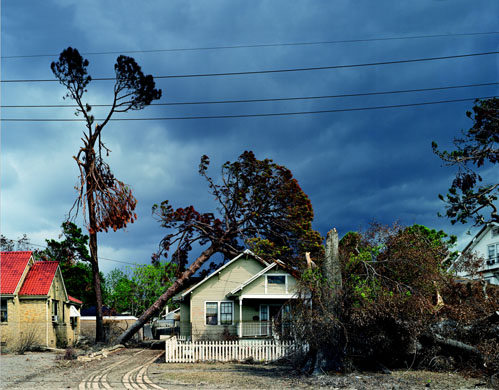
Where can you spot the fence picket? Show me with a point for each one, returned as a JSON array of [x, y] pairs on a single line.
[[178, 350]]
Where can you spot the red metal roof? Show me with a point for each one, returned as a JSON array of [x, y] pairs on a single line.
[[12, 266], [74, 300], [39, 278]]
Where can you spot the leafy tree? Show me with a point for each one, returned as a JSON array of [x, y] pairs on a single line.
[[21, 244], [121, 291], [468, 198], [391, 280], [73, 257], [137, 292], [106, 202], [260, 204]]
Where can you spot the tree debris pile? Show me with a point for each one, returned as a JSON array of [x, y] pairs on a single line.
[[397, 307]]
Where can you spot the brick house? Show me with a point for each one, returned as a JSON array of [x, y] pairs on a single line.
[[34, 303]]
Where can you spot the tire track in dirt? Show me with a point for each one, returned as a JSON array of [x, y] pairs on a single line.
[[98, 379], [137, 378]]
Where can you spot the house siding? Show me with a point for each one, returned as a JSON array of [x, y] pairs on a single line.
[[215, 289], [30, 317], [489, 272], [257, 286], [10, 329]]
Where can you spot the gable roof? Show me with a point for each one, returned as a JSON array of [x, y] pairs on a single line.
[[246, 252], [39, 278], [254, 277], [74, 300], [12, 266], [476, 239]]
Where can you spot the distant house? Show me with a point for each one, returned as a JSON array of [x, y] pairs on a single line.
[[35, 304], [246, 298], [485, 244]]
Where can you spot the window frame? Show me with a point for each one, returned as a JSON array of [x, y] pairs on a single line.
[[55, 310], [494, 250], [4, 308], [276, 284], [219, 313]]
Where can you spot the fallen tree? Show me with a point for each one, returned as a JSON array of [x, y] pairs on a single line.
[[260, 205], [396, 306]]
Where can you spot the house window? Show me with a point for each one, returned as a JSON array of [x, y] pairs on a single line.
[[264, 313], [493, 249], [225, 313], [3, 310], [211, 313], [55, 310], [276, 279], [225, 309]]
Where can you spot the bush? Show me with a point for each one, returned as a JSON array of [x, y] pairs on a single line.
[[28, 341]]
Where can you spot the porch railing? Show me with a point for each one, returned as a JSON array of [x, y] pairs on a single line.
[[257, 329]]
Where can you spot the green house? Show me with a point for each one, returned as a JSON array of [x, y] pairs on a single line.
[[247, 298]]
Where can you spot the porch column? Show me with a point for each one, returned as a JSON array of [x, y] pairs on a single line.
[[240, 330]]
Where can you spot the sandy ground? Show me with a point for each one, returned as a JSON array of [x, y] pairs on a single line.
[[130, 366]]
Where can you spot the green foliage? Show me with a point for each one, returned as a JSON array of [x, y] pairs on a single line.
[[73, 257], [21, 244], [260, 204], [394, 264], [137, 288], [468, 197]]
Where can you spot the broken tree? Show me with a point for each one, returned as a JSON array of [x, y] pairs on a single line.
[[260, 205], [107, 203]]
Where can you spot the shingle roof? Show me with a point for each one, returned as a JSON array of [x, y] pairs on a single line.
[[74, 300], [39, 278], [12, 266]]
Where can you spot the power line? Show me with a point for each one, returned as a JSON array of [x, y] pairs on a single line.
[[269, 99], [99, 257], [249, 46], [270, 71], [251, 115]]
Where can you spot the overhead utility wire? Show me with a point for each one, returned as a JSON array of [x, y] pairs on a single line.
[[267, 99], [262, 45], [250, 115], [99, 257], [315, 68]]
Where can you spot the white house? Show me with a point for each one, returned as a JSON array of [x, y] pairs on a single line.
[[485, 244]]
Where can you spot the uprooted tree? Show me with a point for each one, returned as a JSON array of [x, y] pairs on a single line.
[[260, 205], [107, 203], [468, 197], [396, 306]]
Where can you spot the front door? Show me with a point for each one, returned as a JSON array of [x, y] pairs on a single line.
[[270, 316]]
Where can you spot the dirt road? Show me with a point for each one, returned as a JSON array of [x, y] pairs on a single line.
[[144, 369], [122, 369]]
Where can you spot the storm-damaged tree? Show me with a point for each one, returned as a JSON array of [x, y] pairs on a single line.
[[397, 306], [369, 303], [107, 203], [260, 206], [468, 197]]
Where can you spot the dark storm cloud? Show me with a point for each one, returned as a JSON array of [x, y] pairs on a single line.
[[355, 166]]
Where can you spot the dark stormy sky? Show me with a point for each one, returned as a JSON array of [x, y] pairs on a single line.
[[356, 166]]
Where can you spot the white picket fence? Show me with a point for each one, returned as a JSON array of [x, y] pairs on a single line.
[[178, 351]]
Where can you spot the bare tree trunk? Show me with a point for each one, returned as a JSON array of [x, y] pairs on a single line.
[[163, 299], [326, 358], [99, 327], [332, 266]]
